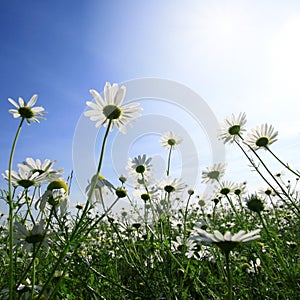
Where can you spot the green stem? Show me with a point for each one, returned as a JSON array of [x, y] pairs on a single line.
[[266, 180], [279, 256], [229, 279], [277, 182], [285, 165], [169, 161], [33, 274], [11, 214]]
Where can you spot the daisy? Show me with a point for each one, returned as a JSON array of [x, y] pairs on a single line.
[[176, 185], [56, 196], [32, 166], [261, 137], [228, 241], [110, 109], [28, 238], [100, 187], [232, 128], [24, 178], [140, 167], [27, 111], [213, 173], [170, 139], [255, 203], [146, 195], [226, 188]]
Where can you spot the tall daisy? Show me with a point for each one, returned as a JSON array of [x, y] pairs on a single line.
[[170, 139], [232, 128], [140, 167], [26, 110], [111, 108], [261, 137]]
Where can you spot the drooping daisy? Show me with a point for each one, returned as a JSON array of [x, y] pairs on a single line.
[[261, 137], [213, 173], [232, 128], [228, 241], [101, 187], [32, 166], [26, 110], [111, 109], [25, 179], [170, 139], [56, 196]]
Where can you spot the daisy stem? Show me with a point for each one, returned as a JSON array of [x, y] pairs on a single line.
[[277, 182], [280, 258], [33, 273], [93, 182], [11, 214], [185, 217], [234, 209], [228, 273], [264, 178], [169, 161], [285, 165], [103, 146]]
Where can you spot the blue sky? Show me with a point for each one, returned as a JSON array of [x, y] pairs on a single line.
[[237, 55]]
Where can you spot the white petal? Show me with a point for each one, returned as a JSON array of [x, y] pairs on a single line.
[[97, 97], [13, 102], [32, 100]]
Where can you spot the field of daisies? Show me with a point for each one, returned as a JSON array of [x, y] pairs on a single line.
[[172, 243]]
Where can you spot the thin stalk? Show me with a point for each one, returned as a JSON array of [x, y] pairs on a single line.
[[274, 178], [11, 213], [33, 274], [281, 259], [229, 279], [285, 165], [169, 160], [264, 178]]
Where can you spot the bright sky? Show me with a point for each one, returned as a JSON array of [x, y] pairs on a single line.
[[236, 55]]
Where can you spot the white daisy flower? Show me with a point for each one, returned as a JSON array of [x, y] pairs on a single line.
[[226, 187], [25, 179], [146, 195], [261, 137], [32, 166], [172, 186], [27, 238], [213, 173], [170, 139], [27, 111], [111, 109], [140, 167], [228, 241], [232, 128]]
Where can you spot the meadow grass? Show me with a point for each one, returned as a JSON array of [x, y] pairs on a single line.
[[171, 244]]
